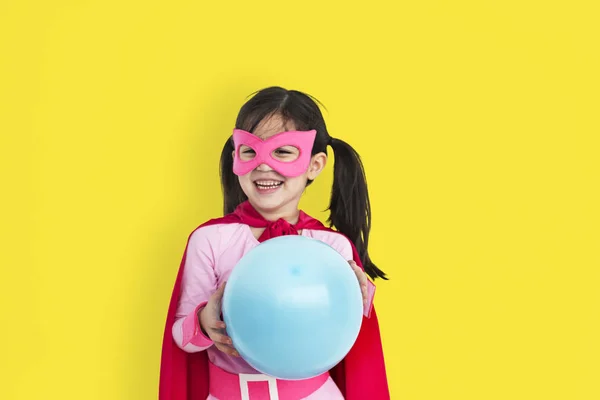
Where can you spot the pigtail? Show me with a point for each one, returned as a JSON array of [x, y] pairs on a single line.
[[233, 195], [350, 208]]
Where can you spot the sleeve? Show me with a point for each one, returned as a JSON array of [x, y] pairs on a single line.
[[198, 283], [343, 246]]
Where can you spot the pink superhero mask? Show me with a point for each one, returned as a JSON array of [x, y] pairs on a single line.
[[263, 149]]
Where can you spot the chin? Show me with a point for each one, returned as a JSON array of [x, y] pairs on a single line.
[[270, 200], [266, 203]]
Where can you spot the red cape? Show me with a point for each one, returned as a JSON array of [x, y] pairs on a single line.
[[360, 375]]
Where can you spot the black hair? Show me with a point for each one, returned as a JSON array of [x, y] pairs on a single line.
[[349, 207]]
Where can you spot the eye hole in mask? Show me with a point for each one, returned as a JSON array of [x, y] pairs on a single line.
[[283, 154]]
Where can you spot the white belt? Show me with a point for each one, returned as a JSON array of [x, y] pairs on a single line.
[[245, 378]]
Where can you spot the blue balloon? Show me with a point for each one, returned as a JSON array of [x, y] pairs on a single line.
[[293, 307]]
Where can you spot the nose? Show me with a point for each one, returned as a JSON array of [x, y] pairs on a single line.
[[264, 168]]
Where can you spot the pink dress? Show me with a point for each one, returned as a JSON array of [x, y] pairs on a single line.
[[212, 253]]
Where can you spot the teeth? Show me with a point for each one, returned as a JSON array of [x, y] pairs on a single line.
[[268, 184]]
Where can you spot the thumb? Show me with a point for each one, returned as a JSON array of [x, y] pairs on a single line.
[[219, 293]]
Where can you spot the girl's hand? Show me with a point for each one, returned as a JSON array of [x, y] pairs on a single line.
[[362, 280], [213, 327]]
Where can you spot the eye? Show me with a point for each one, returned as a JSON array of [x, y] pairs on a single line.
[[283, 152], [246, 153], [287, 150], [286, 153], [246, 150]]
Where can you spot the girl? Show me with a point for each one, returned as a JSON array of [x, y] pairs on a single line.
[[278, 148]]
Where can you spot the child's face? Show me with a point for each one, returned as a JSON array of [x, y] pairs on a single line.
[[267, 189]]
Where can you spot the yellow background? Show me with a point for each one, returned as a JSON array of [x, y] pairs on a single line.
[[477, 122]]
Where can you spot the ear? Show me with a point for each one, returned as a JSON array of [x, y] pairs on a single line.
[[317, 163]]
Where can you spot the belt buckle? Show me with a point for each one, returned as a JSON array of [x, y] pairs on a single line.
[[245, 378]]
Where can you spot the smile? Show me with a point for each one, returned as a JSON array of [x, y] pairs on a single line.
[[268, 185]]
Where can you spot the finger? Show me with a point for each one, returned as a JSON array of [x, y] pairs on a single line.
[[227, 349], [221, 338], [364, 288], [215, 299], [219, 293], [216, 324], [365, 295], [358, 270], [362, 278]]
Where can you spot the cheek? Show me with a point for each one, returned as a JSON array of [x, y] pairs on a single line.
[[296, 184], [245, 181]]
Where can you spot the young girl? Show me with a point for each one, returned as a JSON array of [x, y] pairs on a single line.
[[278, 148]]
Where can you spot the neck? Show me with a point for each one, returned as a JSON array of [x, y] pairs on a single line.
[[289, 213]]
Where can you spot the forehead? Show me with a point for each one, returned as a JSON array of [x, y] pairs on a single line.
[[273, 125]]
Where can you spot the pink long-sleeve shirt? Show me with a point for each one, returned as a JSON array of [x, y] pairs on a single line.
[[212, 253]]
